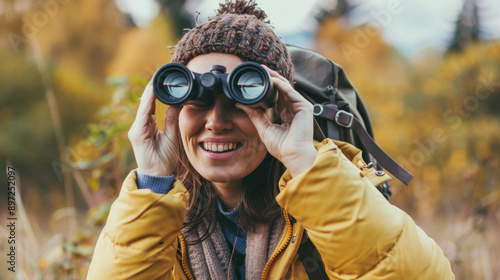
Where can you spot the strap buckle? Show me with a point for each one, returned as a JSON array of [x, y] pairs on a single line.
[[317, 109], [344, 118]]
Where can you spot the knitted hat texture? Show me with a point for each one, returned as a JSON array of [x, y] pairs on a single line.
[[239, 28]]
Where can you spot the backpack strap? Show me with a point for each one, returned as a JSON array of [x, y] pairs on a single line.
[[346, 119], [311, 260]]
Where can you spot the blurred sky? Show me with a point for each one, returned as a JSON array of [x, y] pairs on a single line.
[[409, 25]]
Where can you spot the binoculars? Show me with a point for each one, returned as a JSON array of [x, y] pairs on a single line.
[[248, 84]]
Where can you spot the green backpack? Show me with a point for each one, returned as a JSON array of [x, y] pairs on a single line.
[[339, 110], [339, 114]]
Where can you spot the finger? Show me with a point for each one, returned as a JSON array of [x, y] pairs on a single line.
[[152, 124], [146, 106], [284, 108], [288, 90], [172, 119], [258, 118], [275, 74], [284, 85]]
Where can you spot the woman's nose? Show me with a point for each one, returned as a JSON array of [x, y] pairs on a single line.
[[218, 117]]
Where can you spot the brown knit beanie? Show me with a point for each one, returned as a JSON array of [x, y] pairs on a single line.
[[239, 28]]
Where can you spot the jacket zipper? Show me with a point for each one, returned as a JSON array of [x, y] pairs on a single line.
[[265, 273], [288, 229], [183, 261]]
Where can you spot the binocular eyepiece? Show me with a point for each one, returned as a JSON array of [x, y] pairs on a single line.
[[248, 84]]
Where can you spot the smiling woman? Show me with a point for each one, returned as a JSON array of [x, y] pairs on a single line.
[[228, 190]]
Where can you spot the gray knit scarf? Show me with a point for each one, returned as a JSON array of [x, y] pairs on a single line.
[[210, 259]]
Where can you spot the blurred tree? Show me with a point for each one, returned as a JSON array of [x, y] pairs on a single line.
[[174, 10], [25, 120], [466, 27], [332, 9], [88, 39], [140, 51]]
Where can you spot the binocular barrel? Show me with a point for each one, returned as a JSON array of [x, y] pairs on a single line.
[[248, 84]]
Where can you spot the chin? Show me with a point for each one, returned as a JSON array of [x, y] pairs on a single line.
[[222, 176]]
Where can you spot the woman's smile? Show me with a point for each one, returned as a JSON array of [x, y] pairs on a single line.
[[219, 145], [220, 148]]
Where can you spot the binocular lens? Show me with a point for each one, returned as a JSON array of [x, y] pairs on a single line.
[[173, 83], [176, 85], [251, 85]]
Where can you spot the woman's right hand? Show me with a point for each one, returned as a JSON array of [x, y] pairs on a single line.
[[156, 152]]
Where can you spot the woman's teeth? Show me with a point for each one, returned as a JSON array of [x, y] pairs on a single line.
[[212, 147]]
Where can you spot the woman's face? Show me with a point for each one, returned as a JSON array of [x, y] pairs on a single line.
[[220, 140]]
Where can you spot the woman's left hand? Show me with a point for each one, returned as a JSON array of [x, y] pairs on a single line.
[[292, 141]]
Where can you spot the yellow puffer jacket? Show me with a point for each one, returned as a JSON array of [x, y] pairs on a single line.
[[359, 235]]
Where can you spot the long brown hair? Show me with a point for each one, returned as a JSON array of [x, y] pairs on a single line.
[[258, 203]]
